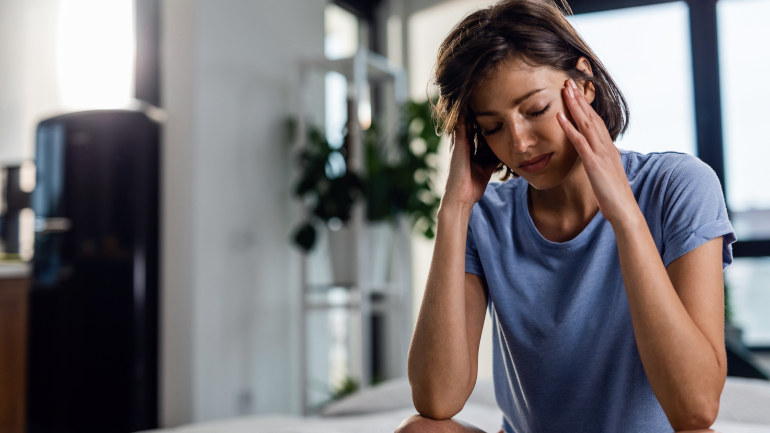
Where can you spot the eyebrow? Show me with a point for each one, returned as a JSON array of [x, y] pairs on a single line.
[[516, 101]]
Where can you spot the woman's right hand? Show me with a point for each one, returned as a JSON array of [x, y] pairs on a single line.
[[467, 179]]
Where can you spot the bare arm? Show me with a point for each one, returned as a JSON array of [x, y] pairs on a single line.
[[443, 357], [678, 320], [677, 313]]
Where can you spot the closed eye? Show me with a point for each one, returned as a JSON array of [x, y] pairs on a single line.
[[541, 112], [487, 132]]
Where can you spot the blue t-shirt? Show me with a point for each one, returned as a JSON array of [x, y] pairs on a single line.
[[564, 353]]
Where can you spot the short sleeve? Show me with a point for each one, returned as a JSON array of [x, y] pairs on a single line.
[[694, 211], [472, 260]]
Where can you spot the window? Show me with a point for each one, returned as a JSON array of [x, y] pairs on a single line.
[[744, 92], [660, 98], [96, 47], [341, 40], [748, 279]]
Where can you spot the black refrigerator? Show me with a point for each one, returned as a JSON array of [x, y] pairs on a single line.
[[93, 318]]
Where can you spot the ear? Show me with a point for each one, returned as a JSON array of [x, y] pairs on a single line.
[[583, 65]]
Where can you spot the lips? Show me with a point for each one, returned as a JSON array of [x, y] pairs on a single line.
[[535, 164]]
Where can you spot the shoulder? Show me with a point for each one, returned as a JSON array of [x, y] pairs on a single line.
[[684, 202], [662, 162], [668, 169]]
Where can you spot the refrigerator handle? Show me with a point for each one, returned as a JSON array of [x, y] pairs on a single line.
[[52, 225]]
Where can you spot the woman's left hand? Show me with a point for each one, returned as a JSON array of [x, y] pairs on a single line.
[[600, 157]]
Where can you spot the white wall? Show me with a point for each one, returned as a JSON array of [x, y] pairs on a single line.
[[231, 301], [28, 88]]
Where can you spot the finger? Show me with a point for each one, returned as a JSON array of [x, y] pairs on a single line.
[[460, 133], [599, 128], [580, 115], [461, 128], [588, 122], [574, 136], [580, 97]]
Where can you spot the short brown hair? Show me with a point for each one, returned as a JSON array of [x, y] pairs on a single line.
[[534, 31]]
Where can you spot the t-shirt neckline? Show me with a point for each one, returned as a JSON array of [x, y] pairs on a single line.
[[576, 241]]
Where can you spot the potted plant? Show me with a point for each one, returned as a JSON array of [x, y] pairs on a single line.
[[327, 185], [399, 181], [396, 180]]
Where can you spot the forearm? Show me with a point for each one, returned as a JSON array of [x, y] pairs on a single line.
[[685, 370], [442, 370]]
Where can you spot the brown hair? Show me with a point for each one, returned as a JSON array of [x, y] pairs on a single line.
[[535, 31]]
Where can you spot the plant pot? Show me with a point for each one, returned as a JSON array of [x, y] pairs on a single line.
[[342, 255], [380, 249]]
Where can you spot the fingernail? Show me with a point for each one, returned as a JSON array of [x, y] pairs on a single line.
[[572, 83], [569, 92], [561, 116]]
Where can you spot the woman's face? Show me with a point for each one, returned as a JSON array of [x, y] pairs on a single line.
[[515, 107]]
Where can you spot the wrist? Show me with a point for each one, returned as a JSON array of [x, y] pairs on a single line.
[[454, 210], [448, 206], [630, 221]]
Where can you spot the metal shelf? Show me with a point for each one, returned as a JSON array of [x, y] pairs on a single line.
[[324, 297], [360, 299]]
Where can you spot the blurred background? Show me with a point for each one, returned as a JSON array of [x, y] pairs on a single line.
[[150, 205]]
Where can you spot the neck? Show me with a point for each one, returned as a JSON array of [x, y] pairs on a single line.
[[561, 212]]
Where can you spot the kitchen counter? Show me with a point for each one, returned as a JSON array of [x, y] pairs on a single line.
[[13, 269], [14, 306]]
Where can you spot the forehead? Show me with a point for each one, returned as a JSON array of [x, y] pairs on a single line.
[[511, 79]]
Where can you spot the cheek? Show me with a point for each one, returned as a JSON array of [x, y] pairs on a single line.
[[561, 107], [496, 141], [496, 147], [552, 129], [500, 149], [488, 154]]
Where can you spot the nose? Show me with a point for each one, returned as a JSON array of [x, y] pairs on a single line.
[[521, 134]]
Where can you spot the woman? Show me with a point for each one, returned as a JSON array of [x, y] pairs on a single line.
[[601, 268]]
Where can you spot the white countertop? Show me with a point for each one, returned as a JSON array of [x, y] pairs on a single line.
[[11, 269]]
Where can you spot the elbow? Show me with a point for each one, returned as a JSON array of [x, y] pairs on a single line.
[[698, 416], [436, 404], [436, 410]]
